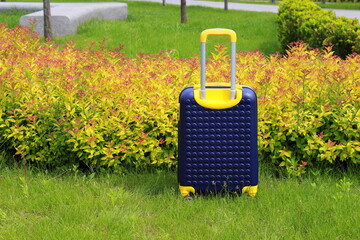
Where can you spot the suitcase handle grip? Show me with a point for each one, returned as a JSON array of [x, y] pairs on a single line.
[[203, 38], [217, 32]]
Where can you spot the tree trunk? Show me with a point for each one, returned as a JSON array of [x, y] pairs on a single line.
[[183, 11], [47, 20], [226, 5], [164, 2]]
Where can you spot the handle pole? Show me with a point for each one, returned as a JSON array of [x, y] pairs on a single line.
[[233, 70], [203, 70]]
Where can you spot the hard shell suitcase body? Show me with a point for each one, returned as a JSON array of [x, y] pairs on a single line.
[[218, 133]]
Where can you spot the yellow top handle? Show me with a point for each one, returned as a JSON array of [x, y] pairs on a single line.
[[217, 32]]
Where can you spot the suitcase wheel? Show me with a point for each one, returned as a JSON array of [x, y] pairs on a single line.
[[189, 198]]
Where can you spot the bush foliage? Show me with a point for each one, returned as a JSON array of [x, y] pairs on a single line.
[[305, 20], [63, 106]]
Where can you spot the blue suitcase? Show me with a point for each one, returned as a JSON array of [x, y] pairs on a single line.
[[218, 133]]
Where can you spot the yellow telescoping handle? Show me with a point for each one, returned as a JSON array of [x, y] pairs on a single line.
[[217, 32], [203, 37]]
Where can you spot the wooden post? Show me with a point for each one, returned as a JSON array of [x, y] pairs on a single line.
[[183, 11], [226, 5], [47, 20], [164, 2]]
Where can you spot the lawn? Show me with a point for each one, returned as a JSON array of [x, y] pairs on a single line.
[[12, 17], [71, 205], [341, 5], [138, 35]]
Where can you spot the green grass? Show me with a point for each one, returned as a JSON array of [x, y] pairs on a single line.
[[39, 205], [341, 5], [152, 28], [12, 17]]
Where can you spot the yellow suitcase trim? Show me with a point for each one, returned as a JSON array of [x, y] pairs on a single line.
[[217, 98], [217, 32], [250, 190], [186, 191]]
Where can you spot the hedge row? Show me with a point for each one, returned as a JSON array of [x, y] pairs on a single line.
[[63, 106], [304, 20]]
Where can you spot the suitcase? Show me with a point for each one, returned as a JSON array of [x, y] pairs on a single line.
[[218, 132]]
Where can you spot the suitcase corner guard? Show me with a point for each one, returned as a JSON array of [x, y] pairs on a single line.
[[250, 190], [186, 191]]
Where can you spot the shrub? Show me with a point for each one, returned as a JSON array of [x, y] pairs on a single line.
[[63, 106], [309, 105], [304, 20]]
